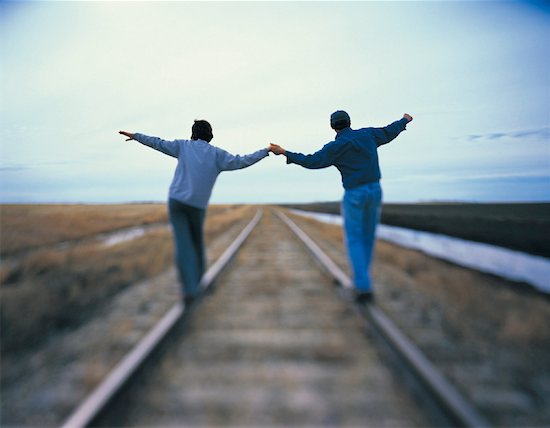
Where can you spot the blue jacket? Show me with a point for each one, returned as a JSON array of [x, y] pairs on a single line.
[[353, 152], [199, 164]]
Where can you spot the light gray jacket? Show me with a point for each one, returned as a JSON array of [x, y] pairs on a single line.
[[199, 164]]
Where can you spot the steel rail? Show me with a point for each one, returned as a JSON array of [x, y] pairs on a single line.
[[97, 400], [458, 410]]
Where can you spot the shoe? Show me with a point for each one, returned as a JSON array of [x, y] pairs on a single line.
[[364, 297]]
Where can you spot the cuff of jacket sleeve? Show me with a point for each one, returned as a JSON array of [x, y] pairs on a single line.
[[289, 156]]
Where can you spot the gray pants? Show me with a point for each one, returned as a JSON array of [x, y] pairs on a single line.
[[187, 224]]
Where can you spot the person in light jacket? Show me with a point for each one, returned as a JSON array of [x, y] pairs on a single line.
[[199, 164], [354, 153]]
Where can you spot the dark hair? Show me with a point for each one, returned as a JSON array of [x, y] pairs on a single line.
[[202, 130]]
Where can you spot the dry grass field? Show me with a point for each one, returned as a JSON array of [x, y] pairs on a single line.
[[519, 226], [26, 227], [473, 303], [52, 288]]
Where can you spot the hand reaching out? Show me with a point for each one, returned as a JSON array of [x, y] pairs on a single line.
[[130, 135], [408, 117], [275, 148]]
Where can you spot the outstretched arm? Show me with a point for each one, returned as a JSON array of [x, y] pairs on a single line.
[[388, 133], [228, 162], [317, 160], [170, 148]]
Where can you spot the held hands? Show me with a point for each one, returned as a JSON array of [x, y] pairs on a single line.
[[130, 135], [408, 117], [275, 148]]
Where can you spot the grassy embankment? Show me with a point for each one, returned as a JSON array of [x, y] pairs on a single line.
[[45, 288], [488, 335], [518, 226]]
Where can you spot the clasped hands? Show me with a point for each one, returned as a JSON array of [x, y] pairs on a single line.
[[275, 148]]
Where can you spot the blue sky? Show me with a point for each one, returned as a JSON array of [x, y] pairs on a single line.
[[475, 76]]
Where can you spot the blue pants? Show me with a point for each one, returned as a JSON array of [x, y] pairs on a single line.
[[361, 212], [187, 224]]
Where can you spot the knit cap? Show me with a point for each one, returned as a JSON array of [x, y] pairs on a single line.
[[339, 119]]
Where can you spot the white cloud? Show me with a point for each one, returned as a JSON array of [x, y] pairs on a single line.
[[539, 134]]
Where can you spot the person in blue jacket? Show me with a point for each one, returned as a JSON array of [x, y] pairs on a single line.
[[354, 153], [199, 164]]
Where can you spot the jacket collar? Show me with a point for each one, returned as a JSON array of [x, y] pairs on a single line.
[[343, 132]]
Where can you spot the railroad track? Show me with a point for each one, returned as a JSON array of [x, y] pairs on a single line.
[[274, 345]]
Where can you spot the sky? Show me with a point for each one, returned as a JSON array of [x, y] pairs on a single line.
[[474, 75]]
